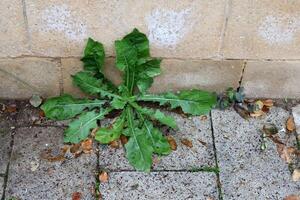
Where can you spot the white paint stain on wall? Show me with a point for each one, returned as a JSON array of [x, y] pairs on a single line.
[[59, 18], [279, 29], [167, 27]]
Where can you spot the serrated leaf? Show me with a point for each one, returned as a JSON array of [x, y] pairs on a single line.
[[195, 102], [157, 115], [94, 55], [66, 107], [159, 143], [138, 149], [91, 85], [146, 72], [79, 129], [106, 135]]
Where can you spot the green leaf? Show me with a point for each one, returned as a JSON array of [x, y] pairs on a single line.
[[94, 55], [146, 72], [80, 128], [140, 42], [118, 103], [91, 85], [126, 58], [195, 102], [138, 149], [156, 115], [106, 135], [66, 107], [159, 143]]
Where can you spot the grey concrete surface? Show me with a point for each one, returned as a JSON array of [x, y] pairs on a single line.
[[184, 158], [247, 172], [159, 185], [1, 186], [32, 177], [5, 148]]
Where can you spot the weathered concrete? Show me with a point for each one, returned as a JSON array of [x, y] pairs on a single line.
[[175, 30], [13, 33], [159, 185], [266, 29], [184, 158], [272, 79], [247, 172], [5, 148], [31, 177], [296, 115], [1, 186], [206, 74], [23, 77]]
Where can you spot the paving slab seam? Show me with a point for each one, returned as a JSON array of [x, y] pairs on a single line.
[[8, 165], [219, 184], [242, 74]]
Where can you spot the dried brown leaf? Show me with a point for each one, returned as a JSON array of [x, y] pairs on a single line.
[[172, 142], [123, 139], [187, 142], [241, 111], [292, 197], [93, 133], [76, 196], [87, 145], [258, 113], [114, 144], [268, 102], [290, 124], [103, 177], [11, 108]]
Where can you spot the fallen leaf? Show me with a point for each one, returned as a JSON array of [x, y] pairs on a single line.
[[114, 144], [187, 142], [203, 117], [290, 124], [268, 102], [35, 100], [172, 142], [241, 111], [296, 175], [284, 153], [270, 129], [41, 114], [76, 149], [292, 197], [87, 145], [258, 113], [259, 105], [11, 108], [76, 196], [123, 139], [103, 177]]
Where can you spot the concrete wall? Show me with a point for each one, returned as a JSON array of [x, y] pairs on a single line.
[[211, 44]]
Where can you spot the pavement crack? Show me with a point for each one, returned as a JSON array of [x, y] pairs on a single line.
[[219, 185]]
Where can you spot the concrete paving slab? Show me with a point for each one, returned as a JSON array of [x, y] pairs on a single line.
[[1, 186], [184, 158], [5, 148], [247, 172], [159, 185], [32, 177]]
